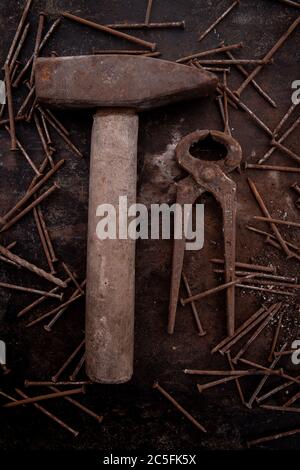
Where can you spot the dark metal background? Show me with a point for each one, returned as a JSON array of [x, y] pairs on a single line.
[[135, 415]]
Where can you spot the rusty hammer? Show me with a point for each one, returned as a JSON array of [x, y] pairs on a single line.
[[118, 86]]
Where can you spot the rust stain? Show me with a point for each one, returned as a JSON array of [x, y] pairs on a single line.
[[45, 73]]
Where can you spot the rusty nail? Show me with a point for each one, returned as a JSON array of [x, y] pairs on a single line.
[[217, 69], [285, 282], [214, 290], [152, 54], [70, 274], [270, 236], [275, 390], [267, 370], [18, 31], [244, 348], [288, 169], [23, 151], [193, 306], [6, 260], [286, 150], [42, 138], [31, 110], [10, 109], [52, 322], [246, 324], [260, 367], [26, 101], [25, 211], [18, 49], [67, 362], [48, 396], [55, 120], [263, 381], [164, 25], [265, 289], [237, 382], [2, 109], [31, 267], [61, 133], [210, 51], [295, 187], [281, 408], [43, 240], [29, 62], [218, 20], [119, 51], [290, 3], [22, 72], [272, 242], [275, 337], [256, 319], [254, 83], [17, 119], [221, 108], [89, 412], [284, 119], [277, 221], [47, 236], [77, 368], [272, 437], [37, 44], [3, 394], [11, 245], [215, 383], [284, 353], [113, 32], [33, 190], [46, 130], [50, 415], [282, 139], [148, 11], [226, 115], [273, 277], [47, 383], [226, 373], [38, 301], [242, 105], [49, 33], [29, 289], [230, 101], [269, 55], [52, 312], [179, 407], [254, 267], [267, 214], [292, 399], [231, 61], [15, 70]]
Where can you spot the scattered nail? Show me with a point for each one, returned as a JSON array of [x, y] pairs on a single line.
[[179, 407]]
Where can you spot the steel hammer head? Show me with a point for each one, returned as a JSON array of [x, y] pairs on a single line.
[[118, 81]]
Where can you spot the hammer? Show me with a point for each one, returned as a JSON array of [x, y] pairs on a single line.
[[118, 87]]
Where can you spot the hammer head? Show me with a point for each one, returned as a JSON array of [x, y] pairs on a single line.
[[118, 81]]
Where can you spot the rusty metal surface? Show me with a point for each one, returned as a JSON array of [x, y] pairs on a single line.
[[118, 81], [135, 417]]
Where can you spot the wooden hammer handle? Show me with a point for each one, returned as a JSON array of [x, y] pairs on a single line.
[[110, 262]]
